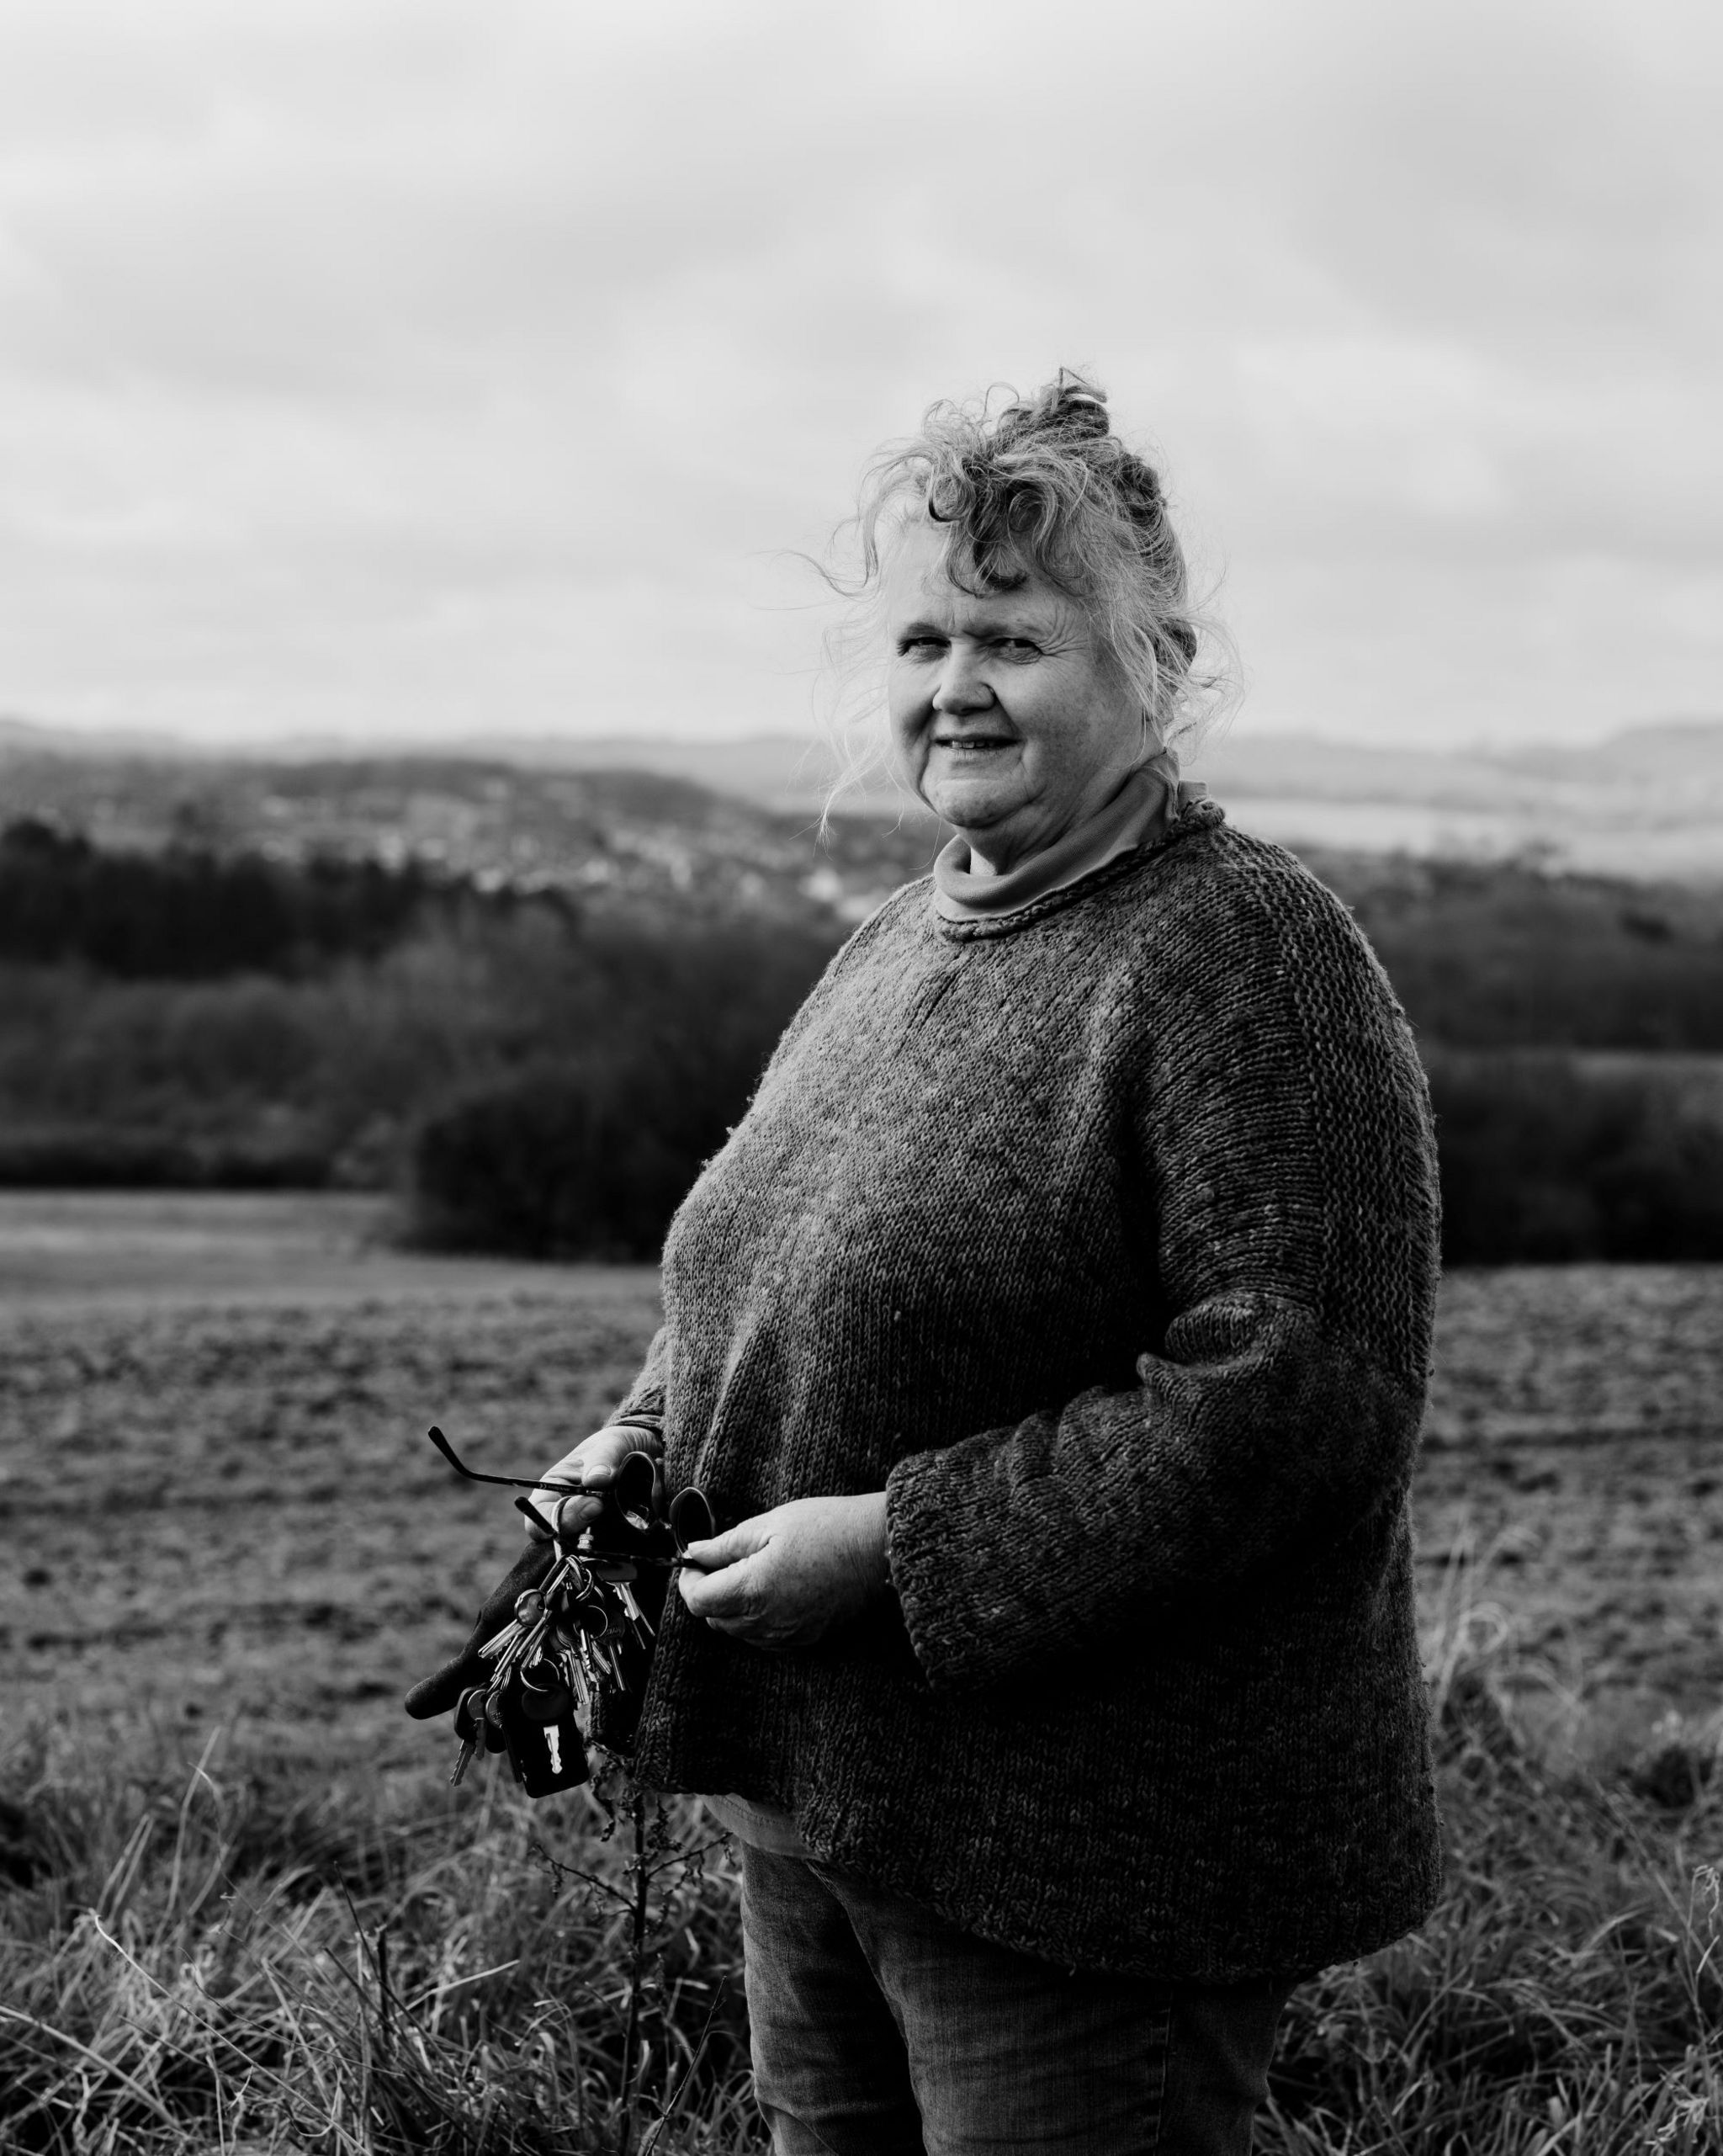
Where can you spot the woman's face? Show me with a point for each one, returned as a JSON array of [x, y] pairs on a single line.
[[1008, 719]]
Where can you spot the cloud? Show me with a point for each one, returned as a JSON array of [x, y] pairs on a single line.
[[404, 368]]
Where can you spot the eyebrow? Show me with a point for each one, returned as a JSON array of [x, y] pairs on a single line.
[[1010, 625]]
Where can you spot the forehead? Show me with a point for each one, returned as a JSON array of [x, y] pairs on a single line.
[[918, 588]]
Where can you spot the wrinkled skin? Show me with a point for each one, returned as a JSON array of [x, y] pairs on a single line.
[[1007, 716]]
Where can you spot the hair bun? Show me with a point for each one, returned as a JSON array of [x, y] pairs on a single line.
[[1070, 408], [1074, 406]]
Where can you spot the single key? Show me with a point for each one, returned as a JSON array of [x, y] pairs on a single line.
[[521, 1648], [568, 1661], [508, 1654], [492, 1727], [570, 1577], [467, 1715]]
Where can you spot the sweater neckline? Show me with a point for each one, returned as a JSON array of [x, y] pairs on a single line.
[[1140, 806], [1195, 815]]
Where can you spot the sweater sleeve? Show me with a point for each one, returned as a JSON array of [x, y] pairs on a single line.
[[643, 1401], [1276, 1148]]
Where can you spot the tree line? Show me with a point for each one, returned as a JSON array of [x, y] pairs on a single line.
[[191, 913], [546, 1078]]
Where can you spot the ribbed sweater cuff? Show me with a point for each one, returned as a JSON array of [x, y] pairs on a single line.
[[947, 1625]]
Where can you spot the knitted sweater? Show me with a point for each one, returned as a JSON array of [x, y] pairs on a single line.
[[1103, 1236]]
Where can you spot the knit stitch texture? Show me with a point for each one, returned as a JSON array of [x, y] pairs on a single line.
[[1103, 1236]]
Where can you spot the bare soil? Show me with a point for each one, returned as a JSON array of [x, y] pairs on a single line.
[[1575, 1442], [218, 1503]]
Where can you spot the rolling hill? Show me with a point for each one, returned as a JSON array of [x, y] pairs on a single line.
[[605, 810]]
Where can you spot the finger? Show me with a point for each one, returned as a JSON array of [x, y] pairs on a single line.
[[570, 1515], [609, 1447], [745, 1539], [594, 1460], [724, 1596], [747, 1629], [574, 1514], [592, 1463]]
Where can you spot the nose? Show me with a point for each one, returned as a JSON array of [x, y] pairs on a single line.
[[962, 685]]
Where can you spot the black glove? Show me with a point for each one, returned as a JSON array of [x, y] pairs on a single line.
[[437, 1694]]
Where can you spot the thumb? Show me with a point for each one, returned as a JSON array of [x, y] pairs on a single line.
[[437, 1693]]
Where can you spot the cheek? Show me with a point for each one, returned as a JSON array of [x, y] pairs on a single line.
[[1071, 733], [907, 701], [1102, 725], [1056, 726]]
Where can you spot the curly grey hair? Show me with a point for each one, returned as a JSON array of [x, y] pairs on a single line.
[[1042, 485]]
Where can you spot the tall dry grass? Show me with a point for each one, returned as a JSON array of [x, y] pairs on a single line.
[[272, 1953], [1567, 1997], [266, 1950]]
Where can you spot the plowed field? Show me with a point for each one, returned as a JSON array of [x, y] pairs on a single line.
[[219, 1504]]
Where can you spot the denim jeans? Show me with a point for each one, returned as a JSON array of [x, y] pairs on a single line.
[[880, 2031]]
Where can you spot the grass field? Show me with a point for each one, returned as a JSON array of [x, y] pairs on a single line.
[[244, 1911]]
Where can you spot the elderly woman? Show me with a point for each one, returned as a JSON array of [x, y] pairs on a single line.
[[1053, 1333]]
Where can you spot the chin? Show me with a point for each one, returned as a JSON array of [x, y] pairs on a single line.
[[972, 804]]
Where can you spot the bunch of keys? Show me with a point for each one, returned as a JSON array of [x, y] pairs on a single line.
[[569, 1668]]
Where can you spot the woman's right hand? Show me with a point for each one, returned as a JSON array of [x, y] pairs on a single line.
[[593, 1462]]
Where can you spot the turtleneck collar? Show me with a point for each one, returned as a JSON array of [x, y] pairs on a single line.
[[1137, 815]]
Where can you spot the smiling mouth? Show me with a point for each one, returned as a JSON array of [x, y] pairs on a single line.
[[972, 744]]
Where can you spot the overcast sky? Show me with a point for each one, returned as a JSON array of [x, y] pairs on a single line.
[[428, 370]]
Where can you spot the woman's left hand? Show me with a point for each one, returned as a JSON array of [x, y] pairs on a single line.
[[783, 1577]]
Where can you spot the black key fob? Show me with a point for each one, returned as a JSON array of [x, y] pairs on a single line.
[[546, 1756], [544, 1692]]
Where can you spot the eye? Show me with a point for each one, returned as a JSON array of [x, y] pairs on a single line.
[[1017, 647], [911, 647]]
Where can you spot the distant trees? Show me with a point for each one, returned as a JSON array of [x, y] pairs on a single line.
[[546, 1077], [1498, 955], [1544, 1160], [588, 1153], [188, 913]]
